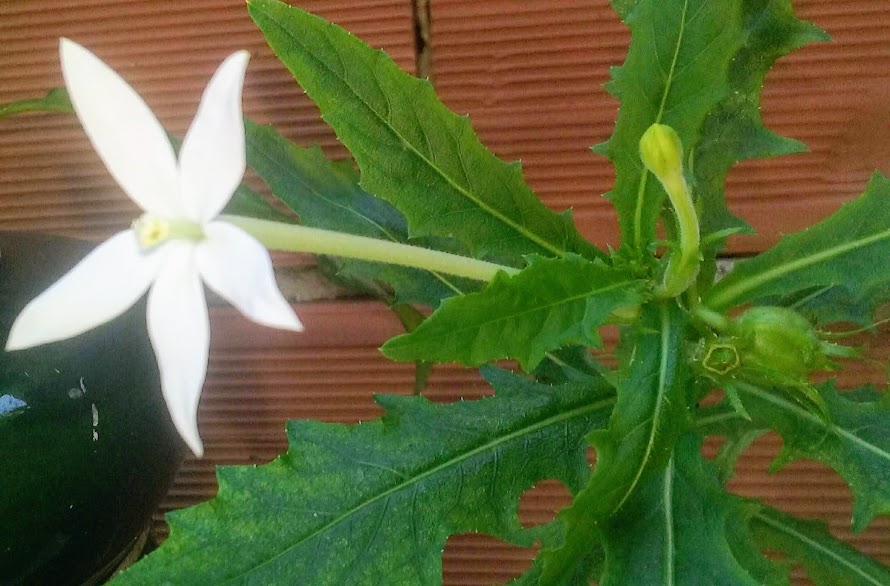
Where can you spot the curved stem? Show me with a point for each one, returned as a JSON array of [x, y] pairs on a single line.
[[296, 238], [683, 264], [662, 153]]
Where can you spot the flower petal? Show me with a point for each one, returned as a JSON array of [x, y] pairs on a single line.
[[123, 130], [179, 330], [212, 159], [238, 269], [99, 288]]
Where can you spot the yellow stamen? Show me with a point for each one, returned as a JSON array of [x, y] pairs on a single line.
[[151, 230]]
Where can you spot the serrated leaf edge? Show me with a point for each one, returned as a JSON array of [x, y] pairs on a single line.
[[860, 517], [562, 416], [426, 87], [253, 129], [727, 296]]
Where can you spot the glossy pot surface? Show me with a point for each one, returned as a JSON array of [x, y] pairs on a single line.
[[87, 450]]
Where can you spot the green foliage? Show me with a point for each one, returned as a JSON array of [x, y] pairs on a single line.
[[844, 250], [55, 100], [855, 443], [327, 195], [675, 528], [827, 560], [412, 150], [734, 131], [676, 73], [374, 503], [551, 304], [649, 417]]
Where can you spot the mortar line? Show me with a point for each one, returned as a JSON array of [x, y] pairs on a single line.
[[423, 55]]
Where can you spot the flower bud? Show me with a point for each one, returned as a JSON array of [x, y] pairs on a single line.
[[662, 153]]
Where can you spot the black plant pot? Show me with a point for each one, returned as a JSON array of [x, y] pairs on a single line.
[[87, 450]]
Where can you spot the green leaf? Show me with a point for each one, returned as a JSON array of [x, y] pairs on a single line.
[[675, 528], [587, 571], [326, 194], [247, 202], [413, 151], [836, 303], [855, 443], [732, 450], [55, 100], [649, 417], [244, 201], [734, 131], [827, 560], [843, 250], [570, 364], [374, 503], [676, 74], [550, 304], [766, 571]]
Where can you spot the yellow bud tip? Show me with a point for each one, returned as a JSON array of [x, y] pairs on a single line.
[[151, 230], [662, 152]]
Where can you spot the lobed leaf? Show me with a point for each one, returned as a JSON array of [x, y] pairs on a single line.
[[841, 254], [827, 560], [413, 151], [550, 304], [676, 528], [733, 131], [649, 417], [855, 443], [676, 73], [374, 503]]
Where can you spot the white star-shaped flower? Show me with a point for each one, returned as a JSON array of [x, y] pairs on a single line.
[[175, 245]]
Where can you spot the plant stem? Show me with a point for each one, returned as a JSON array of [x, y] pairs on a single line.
[[683, 265], [712, 319], [296, 238]]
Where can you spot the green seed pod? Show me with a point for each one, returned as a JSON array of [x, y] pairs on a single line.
[[772, 347], [776, 339]]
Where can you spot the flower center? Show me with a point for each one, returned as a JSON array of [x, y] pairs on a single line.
[[152, 230]]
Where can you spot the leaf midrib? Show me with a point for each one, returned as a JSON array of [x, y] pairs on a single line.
[[641, 189], [519, 314], [803, 413], [816, 546], [731, 294], [491, 445], [464, 193], [668, 500], [659, 403]]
